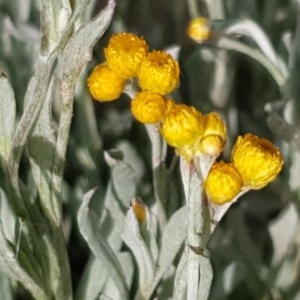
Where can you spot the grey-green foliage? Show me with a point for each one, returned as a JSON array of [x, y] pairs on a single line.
[[254, 66], [37, 255]]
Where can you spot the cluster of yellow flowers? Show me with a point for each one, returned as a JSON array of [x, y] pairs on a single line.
[[255, 161], [127, 56], [183, 127]]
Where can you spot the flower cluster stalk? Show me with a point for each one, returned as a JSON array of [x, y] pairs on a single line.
[[198, 266]]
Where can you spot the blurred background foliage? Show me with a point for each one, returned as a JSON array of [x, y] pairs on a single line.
[[255, 249]]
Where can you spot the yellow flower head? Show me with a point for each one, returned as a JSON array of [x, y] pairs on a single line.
[[148, 107], [182, 127], [125, 53], [104, 84], [159, 73], [223, 183], [214, 135], [257, 160], [199, 30]]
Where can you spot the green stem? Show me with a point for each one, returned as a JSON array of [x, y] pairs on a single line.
[[199, 272], [215, 9], [193, 8], [67, 92]]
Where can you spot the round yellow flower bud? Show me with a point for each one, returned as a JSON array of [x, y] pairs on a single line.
[[214, 135], [104, 84], [214, 125], [223, 183], [125, 53], [199, 30], [159, 73], [148, 107], [182, 127], [257, 160], [210, 145]]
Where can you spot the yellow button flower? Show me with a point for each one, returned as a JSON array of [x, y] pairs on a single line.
[[257, 160], [214, 135], [125, 53], [104, 84], [148, 107], [199, 30], [223, 183], [182, 126], [159, 73]]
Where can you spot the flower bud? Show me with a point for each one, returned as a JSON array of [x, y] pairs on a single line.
[[125, 53], [214, 135], [223, 183], [199, 30], [182, 127], [159, 73], [214, 125], [257, 160], [140, 210], [148, 107], [104, 84], [211, 145]]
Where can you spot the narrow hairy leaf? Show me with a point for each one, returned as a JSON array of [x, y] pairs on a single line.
[[123, 182], [6, 291], [206, 276], [281, 237], [16, 271], [172, 239], [132, 237], [120, 191], [76, 54], [93, 279], [88, 223], [247, 27], [78, 51], [181, 277], [41, 146], [7, 116]]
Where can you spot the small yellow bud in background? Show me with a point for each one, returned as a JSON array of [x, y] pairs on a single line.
[[182, 127], [159, 73], [104, 84], [223, 183], [199, 30], [125, 53], [257, 160], [140, 210], [148, 107]]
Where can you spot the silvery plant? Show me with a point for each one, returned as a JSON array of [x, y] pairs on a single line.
[[96, 205]]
